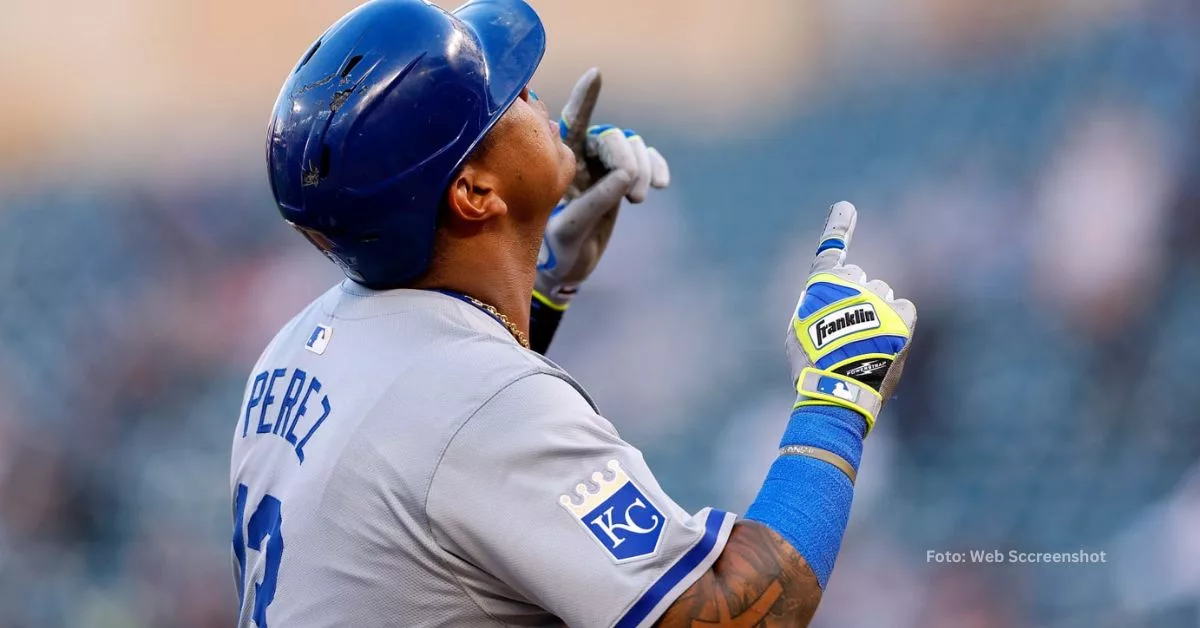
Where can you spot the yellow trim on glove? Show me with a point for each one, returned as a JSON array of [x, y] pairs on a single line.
[[890, 323], [548, 303]]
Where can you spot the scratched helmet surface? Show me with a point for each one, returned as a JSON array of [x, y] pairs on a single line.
[[381, 113]]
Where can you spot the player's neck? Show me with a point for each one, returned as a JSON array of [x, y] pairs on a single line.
[[499, 275]]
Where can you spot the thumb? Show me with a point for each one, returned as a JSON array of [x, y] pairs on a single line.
[[581, 215]]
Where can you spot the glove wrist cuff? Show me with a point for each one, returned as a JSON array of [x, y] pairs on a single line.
[[821, 387], [560, 305]]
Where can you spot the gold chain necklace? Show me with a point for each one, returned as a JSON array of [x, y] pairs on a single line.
[[512, 328]]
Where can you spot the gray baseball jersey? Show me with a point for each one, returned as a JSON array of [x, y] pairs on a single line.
[[399, 460]]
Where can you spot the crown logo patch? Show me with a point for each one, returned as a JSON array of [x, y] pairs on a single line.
[[618, 515]]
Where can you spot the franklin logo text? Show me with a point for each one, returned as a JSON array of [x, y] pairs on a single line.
[[842, 323]]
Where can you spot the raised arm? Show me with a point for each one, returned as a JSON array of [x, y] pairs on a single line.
[[846, 342], [611, 164]]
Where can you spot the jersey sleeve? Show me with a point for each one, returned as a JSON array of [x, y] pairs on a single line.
[[541, 493]]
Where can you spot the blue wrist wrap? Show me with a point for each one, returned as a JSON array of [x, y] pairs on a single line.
[[805, 500]]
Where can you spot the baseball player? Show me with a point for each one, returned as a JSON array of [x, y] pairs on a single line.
[[404, 454]]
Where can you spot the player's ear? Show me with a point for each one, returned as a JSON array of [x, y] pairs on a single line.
[[473, 195]]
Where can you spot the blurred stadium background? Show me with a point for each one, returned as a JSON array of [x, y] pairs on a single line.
[[1026, 170]]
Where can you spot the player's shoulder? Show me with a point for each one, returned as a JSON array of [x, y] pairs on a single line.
[[538, 379], [447, 336], [421, 350], [514, 384], [545, 386], [534, 411]]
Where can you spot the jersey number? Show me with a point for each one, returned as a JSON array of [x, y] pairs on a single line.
[[264, 525]]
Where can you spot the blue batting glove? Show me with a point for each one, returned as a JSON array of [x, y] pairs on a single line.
[[848, 337]]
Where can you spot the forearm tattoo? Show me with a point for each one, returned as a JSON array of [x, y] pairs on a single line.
[[759, 580]]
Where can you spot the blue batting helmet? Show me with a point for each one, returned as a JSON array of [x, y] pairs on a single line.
[[381, 113]]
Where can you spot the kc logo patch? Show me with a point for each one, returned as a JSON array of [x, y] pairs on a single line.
[[618, 515]]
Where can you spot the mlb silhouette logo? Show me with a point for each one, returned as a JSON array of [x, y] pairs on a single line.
[[837, 388], [319, 339], [618, 515]]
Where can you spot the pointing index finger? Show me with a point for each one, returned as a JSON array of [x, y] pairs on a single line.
[[835, 238], [577, 114]]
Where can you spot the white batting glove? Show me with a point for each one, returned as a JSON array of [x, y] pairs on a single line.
[[611, 164], [848, 337]]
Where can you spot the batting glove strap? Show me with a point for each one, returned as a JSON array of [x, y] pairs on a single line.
[[818, 387]]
